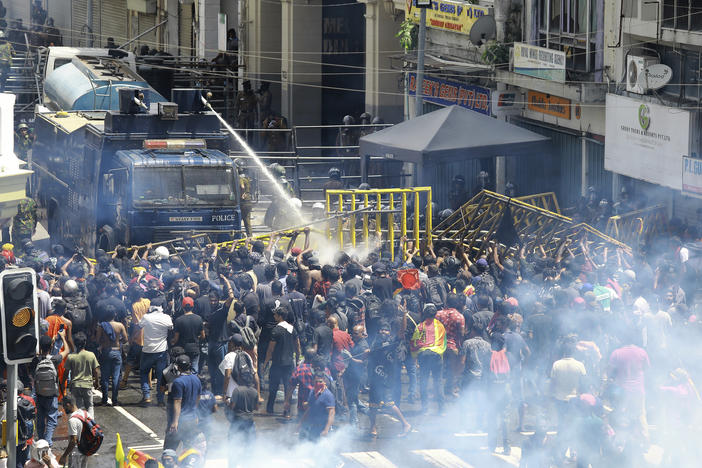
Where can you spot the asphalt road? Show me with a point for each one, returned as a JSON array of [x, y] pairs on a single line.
[[446, 440]]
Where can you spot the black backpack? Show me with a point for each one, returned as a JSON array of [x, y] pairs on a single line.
[[434, 291], [77, 313], [242, 371], [26, 412], [372, 303]]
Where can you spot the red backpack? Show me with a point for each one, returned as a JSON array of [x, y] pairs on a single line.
[[91, 436], [499, 364]]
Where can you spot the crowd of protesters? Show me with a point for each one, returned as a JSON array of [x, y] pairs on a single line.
[[592, 346]]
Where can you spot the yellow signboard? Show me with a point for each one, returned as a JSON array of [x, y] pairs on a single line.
[[548, 104], [457, 17]]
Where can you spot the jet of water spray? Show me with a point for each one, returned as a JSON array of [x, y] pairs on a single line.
[[279, 188]]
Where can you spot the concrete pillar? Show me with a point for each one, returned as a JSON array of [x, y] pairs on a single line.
[[583, 167], [300, 66], [261, 31], [382, 95], [207, 15], [171, 32]]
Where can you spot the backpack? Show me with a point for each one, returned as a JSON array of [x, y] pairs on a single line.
[[46, 378], [247, 333], [499, 364], [434, 293], [242, 372], [77, 313], [91, 436], [26, 412], [373, 304]]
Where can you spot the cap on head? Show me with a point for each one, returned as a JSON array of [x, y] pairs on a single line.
[[188, 301], [183, 362]]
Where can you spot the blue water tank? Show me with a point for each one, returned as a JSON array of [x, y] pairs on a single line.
[[69, 88]]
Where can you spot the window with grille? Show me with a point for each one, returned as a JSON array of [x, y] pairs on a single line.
[[570, 26], [682, 14]]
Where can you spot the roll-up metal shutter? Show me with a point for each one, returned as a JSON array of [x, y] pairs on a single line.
[[185, 28], [79, 15], [150, 39], [110, 18]]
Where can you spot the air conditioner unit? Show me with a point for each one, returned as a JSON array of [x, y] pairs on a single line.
[[635, 66]]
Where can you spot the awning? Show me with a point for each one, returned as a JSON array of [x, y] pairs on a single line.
[[451, 133]]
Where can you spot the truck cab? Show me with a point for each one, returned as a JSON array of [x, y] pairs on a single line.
[[155, 194]]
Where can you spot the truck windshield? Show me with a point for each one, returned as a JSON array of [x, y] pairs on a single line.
[[176, 186]]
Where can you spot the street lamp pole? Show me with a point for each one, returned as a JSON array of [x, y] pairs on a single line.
[[421, 40]]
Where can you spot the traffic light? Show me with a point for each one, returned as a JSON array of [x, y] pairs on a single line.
[[20, 324]]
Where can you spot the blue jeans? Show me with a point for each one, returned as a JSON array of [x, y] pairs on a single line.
[[215, 356], [47, 417], [110, 366], [157, 361]]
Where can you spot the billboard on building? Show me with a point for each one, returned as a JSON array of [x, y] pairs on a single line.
[[646, 141], [448, 93], [456, 17], [539, 62]]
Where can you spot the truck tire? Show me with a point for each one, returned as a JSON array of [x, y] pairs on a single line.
[[106, 238]]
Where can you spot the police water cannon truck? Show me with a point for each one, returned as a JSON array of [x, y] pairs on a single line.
[[142, 172]]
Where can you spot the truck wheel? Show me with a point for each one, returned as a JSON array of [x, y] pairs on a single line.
[[106, 238]]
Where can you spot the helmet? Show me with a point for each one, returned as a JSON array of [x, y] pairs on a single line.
[[445, 214], [22, 125], [296, 202], [348, 120], [318, 206], [162, 252], [278, 170], [335, 173], [604, 202], [452, 264], [240, 164], [365, 118], [38, 449], [378, 120], [70, 287], [364, 186]]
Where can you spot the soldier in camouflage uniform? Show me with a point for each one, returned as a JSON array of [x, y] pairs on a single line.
[[246, 203], [24, 223], [23, 141]]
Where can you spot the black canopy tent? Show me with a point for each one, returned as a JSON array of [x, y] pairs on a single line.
[[446, 135]]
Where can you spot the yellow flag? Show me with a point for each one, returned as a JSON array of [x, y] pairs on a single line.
[[119, 454]]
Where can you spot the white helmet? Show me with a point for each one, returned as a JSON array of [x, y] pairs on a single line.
[[296, 202], [38, 449], [162, 252], [318, 206], [70, 287]]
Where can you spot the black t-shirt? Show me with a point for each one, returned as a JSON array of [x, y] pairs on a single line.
[[188, 327], [324, 338], [202, 307], [284, 345], [252, 305], [217, 325], [383, 287], [266, 320], [243, 402]]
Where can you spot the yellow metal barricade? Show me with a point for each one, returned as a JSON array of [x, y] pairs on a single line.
[[630, 227], [386, 213]]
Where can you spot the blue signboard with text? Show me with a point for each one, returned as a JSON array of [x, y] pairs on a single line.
[[448, 93]]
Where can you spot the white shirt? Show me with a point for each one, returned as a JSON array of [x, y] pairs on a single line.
[[156, 326], [75, 425]]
